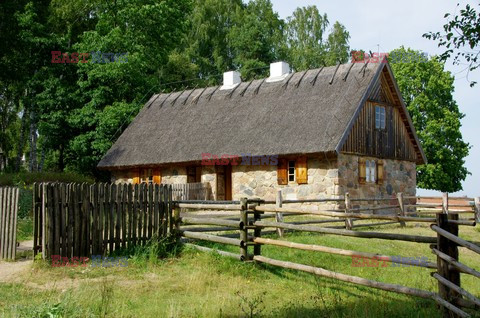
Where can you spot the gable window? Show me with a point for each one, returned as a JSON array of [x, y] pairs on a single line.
[[379, 117], [370, 171], [291, 171]]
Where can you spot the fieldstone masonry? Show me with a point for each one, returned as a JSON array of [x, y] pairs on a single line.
[[326, 179]]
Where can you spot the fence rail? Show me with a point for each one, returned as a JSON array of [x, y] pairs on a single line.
[[73, 220], [249, 225], [8, 222], [191, 191]]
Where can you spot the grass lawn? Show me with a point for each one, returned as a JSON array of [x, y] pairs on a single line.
[[198, 284]]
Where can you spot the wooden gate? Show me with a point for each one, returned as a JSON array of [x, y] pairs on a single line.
[[80, 220], [8, 222]]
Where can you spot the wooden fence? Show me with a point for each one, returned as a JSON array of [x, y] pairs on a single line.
[[8, 222], [252, 219], [191, 191], [83, 220]]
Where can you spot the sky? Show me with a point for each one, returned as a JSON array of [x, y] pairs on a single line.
[[383, 26]]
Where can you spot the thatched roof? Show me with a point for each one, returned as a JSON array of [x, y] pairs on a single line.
[[308, 112]]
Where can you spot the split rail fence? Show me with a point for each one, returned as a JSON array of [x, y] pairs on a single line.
[[80, 220], [242, 224], [8, 222]]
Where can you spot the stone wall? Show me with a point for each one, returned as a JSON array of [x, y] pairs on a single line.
[[399, 176], [326, 179], [261, 182]]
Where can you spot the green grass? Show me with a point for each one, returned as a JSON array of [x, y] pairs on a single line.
[[24, 229], [189, 283]]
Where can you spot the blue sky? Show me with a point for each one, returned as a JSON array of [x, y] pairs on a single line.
[[386, 25]]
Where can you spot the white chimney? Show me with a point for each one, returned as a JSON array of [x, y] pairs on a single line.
[[278, 71], [230, 80]]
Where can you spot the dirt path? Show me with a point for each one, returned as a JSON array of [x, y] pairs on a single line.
[[12, 271]]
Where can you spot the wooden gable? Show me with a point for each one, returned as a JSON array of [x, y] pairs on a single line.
[[397, 139]]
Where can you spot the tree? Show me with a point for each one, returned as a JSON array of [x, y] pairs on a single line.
[[111, 94], [461, 31], [255, 38], [427, 91], [337, 45], [305, 45]]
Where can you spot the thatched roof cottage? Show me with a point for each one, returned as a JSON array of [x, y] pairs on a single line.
[[313, 134]]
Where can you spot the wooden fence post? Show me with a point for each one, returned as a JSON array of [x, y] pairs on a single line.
[[348, 222], [449, 248], [257, 232], [477, 209], [279, 215], [402, 207], [244, 232]]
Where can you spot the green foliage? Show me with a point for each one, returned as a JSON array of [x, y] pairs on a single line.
[[24, 229], [427, 90], [26, 179], [79, 109], [463, 30], [305, 43], [25, 203]]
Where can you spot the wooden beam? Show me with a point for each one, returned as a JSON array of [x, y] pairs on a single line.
[[346, 278], [386, 236], [338, 251]]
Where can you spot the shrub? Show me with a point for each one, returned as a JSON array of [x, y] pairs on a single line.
[[28, 178]]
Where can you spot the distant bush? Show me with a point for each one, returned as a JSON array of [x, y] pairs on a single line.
[[25, 202], [28, 178]]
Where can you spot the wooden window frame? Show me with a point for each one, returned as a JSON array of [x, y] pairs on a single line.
[[291, 174], [382, 117], [370, 171]]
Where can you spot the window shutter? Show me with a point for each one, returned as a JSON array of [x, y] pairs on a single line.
[[362, 171], [157, 176], [301, 170], [282, 171], [135, 177], [379, 172]]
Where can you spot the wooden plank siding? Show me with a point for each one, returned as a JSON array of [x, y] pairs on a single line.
[[393, 142]]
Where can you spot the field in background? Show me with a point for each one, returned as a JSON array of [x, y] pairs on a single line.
[[197, 284]]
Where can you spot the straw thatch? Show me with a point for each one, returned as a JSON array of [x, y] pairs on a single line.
[[305, 113]]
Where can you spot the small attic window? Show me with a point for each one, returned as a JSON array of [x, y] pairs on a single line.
[[379, 117]]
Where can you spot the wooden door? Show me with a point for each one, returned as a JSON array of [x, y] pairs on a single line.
[[224, 182]]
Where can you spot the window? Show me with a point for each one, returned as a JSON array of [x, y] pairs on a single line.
[[379, 117], [291, 171], [194, 174], [370, 171], [148, 176]]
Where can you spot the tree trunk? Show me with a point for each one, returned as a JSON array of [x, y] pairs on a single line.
[[33, 143], [21, 142], [61, 159]]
